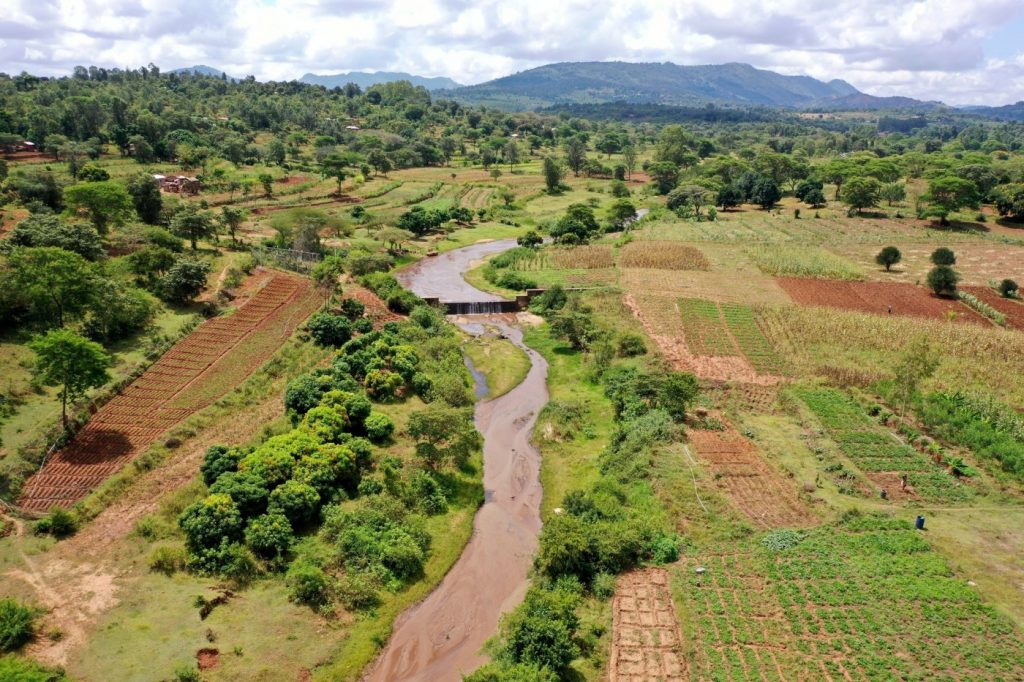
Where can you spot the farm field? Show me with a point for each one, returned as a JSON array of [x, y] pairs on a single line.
[[205, 365], [1013, 310]]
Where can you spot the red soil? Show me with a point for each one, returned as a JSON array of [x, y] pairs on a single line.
[[293, 180], [646, 642], [1014, 310], [876, 297], [191, 375]]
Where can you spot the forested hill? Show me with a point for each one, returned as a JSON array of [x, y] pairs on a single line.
[[665, 83], [368, 79]]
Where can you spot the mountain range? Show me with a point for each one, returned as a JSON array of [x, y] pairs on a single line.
[[366, 79]]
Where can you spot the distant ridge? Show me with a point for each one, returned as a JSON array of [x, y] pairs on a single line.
[[366, 79], [666, 83], [203, 70]]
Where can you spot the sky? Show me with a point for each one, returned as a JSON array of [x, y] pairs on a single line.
[[956, 51]]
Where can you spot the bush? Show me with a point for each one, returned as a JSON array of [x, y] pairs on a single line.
[[383, 385], [379, 427], [19, 669], [357, 592], [16, 624], [631, 345], [184, 280], [943, 256], [352, 309], [888, 257], [247, 490], [308, 584], [59, 523], [363, 325], [943, 280], [665, 549], [269, 535], [186, 673], [209, 523], [330, 330], [603, 586], [360, 264], [299, 502], [167, 560], [1008, 288], [218, 460]]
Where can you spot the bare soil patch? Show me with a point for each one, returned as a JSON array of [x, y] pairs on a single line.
[[878, 297], [753, 486], [207, 659], [196, 371], [646, 642]]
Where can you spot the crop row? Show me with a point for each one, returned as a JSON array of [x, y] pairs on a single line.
[[752, 342], [704, 328]]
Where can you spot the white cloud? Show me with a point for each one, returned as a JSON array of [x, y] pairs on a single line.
[[930, 49]]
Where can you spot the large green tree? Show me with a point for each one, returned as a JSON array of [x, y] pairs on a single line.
[[861, 192], [104, 203], [193, 224], [53, 284], [72, 362], [949, 193]]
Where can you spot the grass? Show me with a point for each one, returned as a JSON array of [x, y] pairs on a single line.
[[502, 363], [802, 261]]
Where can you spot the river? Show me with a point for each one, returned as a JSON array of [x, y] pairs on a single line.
[[439, 639]]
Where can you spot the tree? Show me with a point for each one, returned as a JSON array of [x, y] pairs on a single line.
[[334, 167], [103, 202], [55, 285], [729, 196], [511, 154], [231, 219], [530, 240], [888, 257], [185, 279], [943, 256], [267, 180], [575, 154], [943, 280], [861, 192], [765, 192], [949, 193], [380, 161], [47, 229], [893, 192], [193, 224], [72, 362], [145, 193], [918, 363], [91, 172], [1008, 288], [815, 198], [577, 226], [393, 237], [837, 171], [694, 196], [629, 159], [552, 174], [675, 146], [665, 175], [621, 212]]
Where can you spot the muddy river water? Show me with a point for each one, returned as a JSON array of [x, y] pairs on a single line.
[[440, 638]]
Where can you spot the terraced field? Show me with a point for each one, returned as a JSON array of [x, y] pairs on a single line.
[[205, 365]]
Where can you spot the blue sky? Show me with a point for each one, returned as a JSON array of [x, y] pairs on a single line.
[[957, 51]]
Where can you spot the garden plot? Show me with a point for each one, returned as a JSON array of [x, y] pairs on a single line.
[[978, 262], [878, 297], [662, 255], [646, 645], [200, 368], [866, 599], [750, 483], [879, 454], [1014, 310], [750, 288]]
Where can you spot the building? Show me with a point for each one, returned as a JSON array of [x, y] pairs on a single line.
[[179, 184]]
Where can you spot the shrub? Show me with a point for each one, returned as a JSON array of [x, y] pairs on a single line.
[[888, 257], [218, 460], [383, 385], [603, 586], [943, 256], [16, 624], [943, 279], [299, 502], [1008, 288], [308, 584], [269, 535], [186, 673], [379, 427], [360, 264], [356, 592], [328, 424], [352, 309], [631, 345], [363, 325], [304, 393], [210, 522], [330, 330], [20, 669], [167, 560], [184, 280], [59, 523], [665, 549], [247, 490]]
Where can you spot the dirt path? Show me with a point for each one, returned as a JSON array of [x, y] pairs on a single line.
[[440, 639], [78, 579]]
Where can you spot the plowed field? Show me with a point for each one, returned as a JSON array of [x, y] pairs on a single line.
[[200, 368], [645, 632], [876, 297], [1014, 310], [754, 487]]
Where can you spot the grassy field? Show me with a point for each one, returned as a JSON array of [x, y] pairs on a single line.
[[502, 363]]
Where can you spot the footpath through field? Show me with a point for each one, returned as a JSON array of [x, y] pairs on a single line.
[[198, 370]]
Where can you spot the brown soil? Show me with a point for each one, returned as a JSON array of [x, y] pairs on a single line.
[[441, 638], [77, 580], [889, 481], [646, 642], [191, 375], [208, 658], [293, 180], [376, 309], [877, 297], [753, 486], [1014, 310]]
